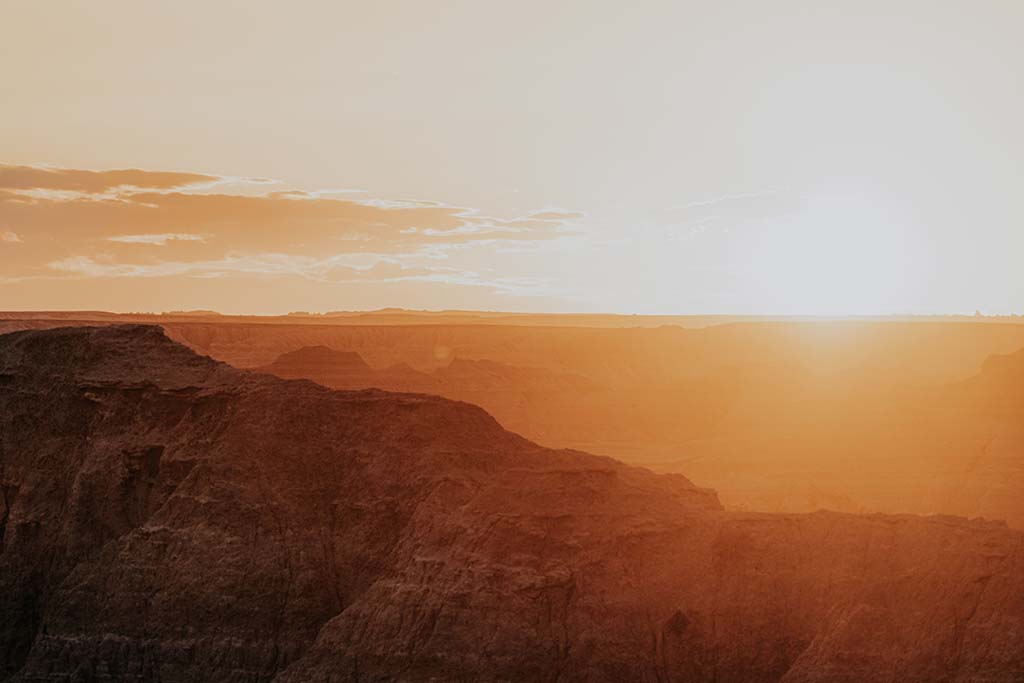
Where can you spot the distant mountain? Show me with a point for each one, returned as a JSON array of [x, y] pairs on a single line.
[[1000, 385], [168, 517], [333, 368], [347, 370]]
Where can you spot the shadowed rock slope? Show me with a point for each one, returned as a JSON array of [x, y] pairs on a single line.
[[166, 517]]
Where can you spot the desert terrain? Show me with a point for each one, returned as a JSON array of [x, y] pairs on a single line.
[[897, 416], [170, 517]]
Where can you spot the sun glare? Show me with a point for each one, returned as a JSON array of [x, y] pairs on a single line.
[[839, 255]]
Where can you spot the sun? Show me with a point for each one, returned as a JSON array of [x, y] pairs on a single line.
[[839, 254]]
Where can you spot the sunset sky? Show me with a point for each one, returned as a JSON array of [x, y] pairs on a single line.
[[648, 157]]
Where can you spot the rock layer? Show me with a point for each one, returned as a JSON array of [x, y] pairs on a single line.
[[167, 517]]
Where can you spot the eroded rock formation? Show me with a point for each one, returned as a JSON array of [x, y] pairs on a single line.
[[167, 517]]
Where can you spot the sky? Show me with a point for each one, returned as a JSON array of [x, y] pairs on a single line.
[[648, 157]]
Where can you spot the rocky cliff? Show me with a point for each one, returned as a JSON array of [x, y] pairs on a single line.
[[167, 517]]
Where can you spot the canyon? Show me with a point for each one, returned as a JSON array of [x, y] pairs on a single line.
[[169, 517], [781, 415]]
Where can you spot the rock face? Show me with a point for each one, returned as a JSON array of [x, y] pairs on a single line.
[[167, 517]]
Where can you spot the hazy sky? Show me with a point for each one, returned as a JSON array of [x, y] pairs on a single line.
[[670, 157]]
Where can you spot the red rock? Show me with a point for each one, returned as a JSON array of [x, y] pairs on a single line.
[[169, 517]]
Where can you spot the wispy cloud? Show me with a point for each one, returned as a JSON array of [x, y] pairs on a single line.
[[724, 212], [728, 199], [98, 182], [158, 239], [342, 269], [96, 224], [10, 237], [555, 215]]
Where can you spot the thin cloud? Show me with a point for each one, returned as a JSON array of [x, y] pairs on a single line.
[[728, 199], [10, 237], [724, 212], [92, 224], [555, 216], [336, 269], [159, 239], [97, 182]]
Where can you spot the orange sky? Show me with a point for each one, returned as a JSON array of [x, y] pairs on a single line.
[[660, 157]]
